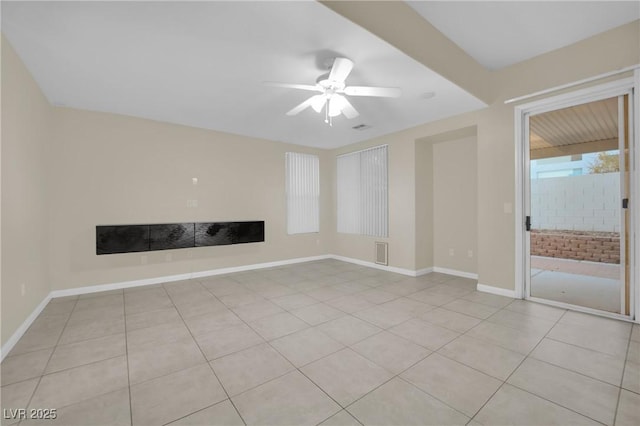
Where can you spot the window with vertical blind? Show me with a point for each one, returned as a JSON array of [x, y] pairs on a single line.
[[362, 192], [303, 193]]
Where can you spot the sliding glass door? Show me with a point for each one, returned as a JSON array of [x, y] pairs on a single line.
[[576, 205]]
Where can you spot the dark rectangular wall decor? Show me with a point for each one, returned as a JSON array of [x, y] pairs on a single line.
[[122, 239], [248, 232], [223, 233], [171, 236], [213, 234], [114, 239]]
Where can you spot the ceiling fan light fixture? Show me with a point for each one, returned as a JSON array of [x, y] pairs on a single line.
[[318, 103], [335, 106]]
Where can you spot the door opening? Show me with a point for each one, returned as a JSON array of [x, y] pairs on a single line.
[[577, 221]]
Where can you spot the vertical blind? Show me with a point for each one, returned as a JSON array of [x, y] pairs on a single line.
[[303, 193], [362, 192]]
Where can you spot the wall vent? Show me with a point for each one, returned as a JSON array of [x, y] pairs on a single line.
[[361, 127], [382, 253]]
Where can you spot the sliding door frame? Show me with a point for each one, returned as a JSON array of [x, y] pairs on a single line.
[[625, 86]]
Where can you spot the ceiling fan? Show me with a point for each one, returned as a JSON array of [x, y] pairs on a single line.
[[333, 89]]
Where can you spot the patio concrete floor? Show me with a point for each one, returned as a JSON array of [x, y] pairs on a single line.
[[589, 284]]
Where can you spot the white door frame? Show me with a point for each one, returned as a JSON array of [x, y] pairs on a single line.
[[521, 122]]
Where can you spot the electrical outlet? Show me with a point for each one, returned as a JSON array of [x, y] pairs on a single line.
[[23, 289], [143, 259], [192, 204], [451, 252], [470, 253]]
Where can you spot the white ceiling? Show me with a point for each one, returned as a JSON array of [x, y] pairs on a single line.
[[202, 64], [499, 34]]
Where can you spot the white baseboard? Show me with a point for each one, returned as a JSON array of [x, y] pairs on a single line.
[[455, 272], [180, 277], [397, 270], [496, 290], [6, 348], [117, 286], [424, 271], [258, 266]]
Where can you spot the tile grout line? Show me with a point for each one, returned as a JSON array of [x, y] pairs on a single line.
[[51, 355], [268, 342], [624, 367], [76, 300], [393, 375], [35, 389], [397, 376], [264, 340], [531, 393], [516, 368], [460, 334], [556, 404], [204, 355], [126, 351]]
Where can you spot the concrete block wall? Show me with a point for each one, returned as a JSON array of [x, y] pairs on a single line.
[[577, 203]]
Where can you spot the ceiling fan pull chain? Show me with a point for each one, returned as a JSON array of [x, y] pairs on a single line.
[[326, 113]]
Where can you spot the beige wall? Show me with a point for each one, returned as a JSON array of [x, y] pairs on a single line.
[[111, 169], [26, 120], [424, 204], [455, 204]]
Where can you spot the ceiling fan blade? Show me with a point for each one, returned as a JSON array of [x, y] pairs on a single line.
[[340, 69], [348, 110], [304, 105], [382, 92], [293, 86]]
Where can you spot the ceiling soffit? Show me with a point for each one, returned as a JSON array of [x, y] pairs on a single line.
[[434, 50]]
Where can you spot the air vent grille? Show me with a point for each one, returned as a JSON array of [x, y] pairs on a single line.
[[361, 127], [382, 253]]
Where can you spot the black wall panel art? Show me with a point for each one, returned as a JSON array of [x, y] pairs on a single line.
[[171, 236], [122, 239], [114, 239]]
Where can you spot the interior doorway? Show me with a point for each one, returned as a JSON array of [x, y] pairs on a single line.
[[577, 216]]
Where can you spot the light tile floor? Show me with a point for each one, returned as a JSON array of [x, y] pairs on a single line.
[[321, 343]]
